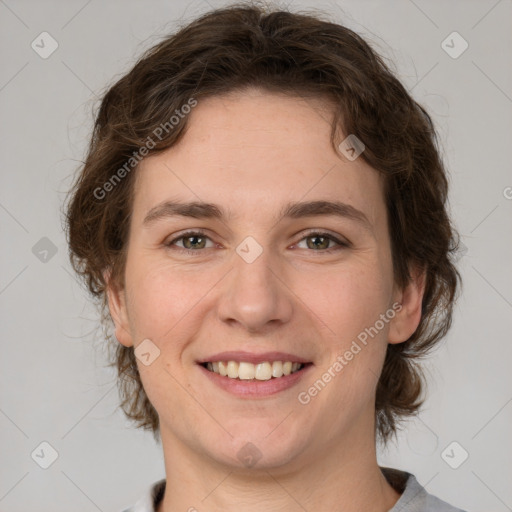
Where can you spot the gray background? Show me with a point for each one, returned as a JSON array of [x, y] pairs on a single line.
[[55, 385]]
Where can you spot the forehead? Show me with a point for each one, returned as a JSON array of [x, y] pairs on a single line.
[[257, 150]]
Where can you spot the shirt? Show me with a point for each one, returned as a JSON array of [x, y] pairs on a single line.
[[414, 497]]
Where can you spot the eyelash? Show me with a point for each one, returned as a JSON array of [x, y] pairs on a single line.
[[202, 234]]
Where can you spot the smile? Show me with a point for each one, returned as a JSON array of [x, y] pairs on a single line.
[[243, 370]]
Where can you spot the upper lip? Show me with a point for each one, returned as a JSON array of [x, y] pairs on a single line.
[[251, 357]]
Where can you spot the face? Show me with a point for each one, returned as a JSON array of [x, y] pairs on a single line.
[[262, 280]]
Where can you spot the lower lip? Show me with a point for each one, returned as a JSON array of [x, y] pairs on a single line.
[[255, 388]]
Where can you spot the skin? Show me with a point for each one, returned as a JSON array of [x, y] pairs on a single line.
[[253, 152]]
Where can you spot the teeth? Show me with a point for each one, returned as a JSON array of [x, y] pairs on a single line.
[[249, 371], [223, 369], [277, 369], [246, 371], [232, 369], [263, 371]]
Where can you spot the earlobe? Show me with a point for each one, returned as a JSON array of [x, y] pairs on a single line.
[[407, 319], [118, 311]]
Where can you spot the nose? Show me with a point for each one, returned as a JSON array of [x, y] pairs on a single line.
[[255, 296]]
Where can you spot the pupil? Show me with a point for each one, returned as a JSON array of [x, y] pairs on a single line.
[[321, 245], [195, 238]]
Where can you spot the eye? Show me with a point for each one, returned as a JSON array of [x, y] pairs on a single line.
[[192, 241], [320, 242]]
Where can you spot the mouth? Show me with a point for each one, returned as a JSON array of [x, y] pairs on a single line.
[[247, 371], [249, 375], [259, 380]]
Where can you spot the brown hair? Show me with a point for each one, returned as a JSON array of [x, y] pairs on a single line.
[[242, 46]]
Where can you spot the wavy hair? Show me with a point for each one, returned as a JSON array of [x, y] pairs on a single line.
[[300, 54]]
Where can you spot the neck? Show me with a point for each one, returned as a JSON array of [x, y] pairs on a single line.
[[344, 477]]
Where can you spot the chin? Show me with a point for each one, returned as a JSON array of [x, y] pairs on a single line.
[[264, 445]]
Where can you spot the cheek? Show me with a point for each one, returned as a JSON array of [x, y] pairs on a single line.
[[156, 301], [350, 303], [162, 297], [348, 300]]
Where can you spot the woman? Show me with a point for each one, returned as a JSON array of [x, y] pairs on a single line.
[[263, 212]]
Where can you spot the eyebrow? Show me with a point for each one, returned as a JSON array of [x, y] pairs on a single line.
[[293, 210]]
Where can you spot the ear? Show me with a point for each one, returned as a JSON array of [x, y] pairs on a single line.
[[118, 312], [408, 317]]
